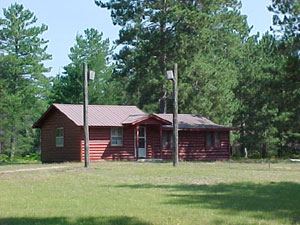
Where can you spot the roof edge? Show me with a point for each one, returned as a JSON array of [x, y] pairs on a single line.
[[38, 123], [146, 117], [203, 128]]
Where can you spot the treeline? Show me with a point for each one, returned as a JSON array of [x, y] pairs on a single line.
[[248, 81]]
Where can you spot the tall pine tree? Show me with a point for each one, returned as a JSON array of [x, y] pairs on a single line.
[[203, 37], [24, 88], [93, 50], [286, 77]]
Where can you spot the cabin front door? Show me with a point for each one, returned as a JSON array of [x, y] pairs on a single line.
[[142, 142]]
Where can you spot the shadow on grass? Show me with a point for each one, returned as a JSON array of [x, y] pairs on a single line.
[[108, 220], [264, 201]]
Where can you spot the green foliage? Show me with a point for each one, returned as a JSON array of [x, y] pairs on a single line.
[[23, 87], [269, 84], [29, 158], [286, 17], [196, 35], [92, 49], [4, 158], [224, 74], [286, 79], [210, 63], [252, 115], [142, 62]]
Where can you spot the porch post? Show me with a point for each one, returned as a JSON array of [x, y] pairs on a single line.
[[137, 141], [160, 140]]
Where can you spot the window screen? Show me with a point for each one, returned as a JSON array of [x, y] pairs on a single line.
[[209, 139], [217, 140], [165, 136], [60, 137], [116, 136]]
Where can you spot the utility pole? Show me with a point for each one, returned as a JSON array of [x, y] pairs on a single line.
[[85, 116], [175, 115], [173, 75]]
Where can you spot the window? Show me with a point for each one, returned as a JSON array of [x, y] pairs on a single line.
[[209, 139], [212, 139], [165, 139], [217, 140], [60, 137], [116, 136], [142, 137], [172, 139]]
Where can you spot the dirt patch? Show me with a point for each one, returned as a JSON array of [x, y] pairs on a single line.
[[32, 169]]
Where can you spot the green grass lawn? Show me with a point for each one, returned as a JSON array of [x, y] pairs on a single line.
[[134, 193]]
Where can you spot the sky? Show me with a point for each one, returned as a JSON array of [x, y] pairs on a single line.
[[67, 18]]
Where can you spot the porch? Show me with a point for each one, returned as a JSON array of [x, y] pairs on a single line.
[[148, 135]]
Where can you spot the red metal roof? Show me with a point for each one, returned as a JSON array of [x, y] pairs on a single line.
[[117, 115], [98, 115], [189, 121], [134, 119]]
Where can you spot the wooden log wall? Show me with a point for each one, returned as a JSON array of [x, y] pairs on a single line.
[[100, 148], [192, 147], [71, 149], [153, 142]]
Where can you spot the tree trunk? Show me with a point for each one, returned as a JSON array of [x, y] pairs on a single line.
[[245, 153], [280, 145], [242, 133], [13, 147], [163, 103], [264, 150], [280, 151]]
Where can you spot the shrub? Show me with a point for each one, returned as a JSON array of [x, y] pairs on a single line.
[[29, 158], [4, 158]]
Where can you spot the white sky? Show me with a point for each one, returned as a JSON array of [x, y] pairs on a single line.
[[66, 18]]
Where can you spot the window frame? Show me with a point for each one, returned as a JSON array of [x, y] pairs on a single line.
[[215, 141], [60, 139], [209, 136], [116, 135], [165, 139], [217, 144], [168, 142]]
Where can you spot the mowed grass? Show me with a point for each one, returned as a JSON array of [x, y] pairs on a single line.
[[134, 193]]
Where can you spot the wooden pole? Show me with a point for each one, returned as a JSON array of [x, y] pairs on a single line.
[[85, 116], [175, 114]]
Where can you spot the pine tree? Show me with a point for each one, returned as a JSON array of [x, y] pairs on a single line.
[[24, 88], [286, 79], [92, 49], [147, 41], [256, 110], [199, 36]]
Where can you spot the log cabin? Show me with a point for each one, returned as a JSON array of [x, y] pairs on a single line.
[[127, 133]]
